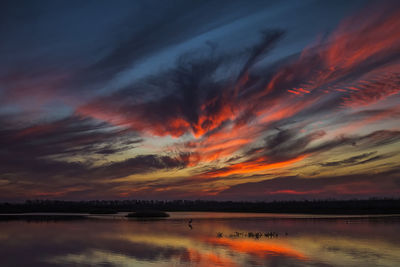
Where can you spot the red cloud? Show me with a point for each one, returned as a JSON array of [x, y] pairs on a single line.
[[234, 117], [254, 165]]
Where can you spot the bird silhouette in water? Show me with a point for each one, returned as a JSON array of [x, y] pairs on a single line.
[[190, 224]]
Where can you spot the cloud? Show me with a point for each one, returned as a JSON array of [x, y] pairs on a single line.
[[65, 137], [293, 187], [27, 178], [139, 164], [195, 101], [356, 48], [355, 160], [57, 158], [290, 142], [251, 166], [217, 112], [288, 147]]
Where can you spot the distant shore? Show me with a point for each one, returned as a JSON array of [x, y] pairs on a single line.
[[342, 207], [196, 216], [40, 217]]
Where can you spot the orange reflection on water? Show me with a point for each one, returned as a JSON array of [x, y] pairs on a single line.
[[209, 259], [327, 241], [260, 249]]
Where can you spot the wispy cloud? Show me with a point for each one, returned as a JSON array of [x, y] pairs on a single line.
[[155, 91]]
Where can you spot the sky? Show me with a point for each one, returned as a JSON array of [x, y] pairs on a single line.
[[225, 100]]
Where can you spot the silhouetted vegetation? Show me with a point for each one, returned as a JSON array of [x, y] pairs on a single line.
[[40, 217], [370, 206]]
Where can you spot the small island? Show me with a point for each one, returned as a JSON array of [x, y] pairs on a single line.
[[148, 214]]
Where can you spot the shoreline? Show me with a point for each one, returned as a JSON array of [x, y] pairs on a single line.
[[193, 214]]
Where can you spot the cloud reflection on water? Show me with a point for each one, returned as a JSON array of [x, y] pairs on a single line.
[[170, 242]]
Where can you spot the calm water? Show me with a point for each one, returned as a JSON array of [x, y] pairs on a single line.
[[301, 241]]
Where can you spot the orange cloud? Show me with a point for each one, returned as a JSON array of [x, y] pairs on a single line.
[[218, 125], [255, 165], [358, 39], [357, 44]]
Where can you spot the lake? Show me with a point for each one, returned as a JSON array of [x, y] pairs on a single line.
[[213, 239]]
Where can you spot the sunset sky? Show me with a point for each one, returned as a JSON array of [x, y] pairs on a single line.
[[226, 100]]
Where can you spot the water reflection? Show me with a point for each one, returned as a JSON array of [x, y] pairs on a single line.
[[170, 242]]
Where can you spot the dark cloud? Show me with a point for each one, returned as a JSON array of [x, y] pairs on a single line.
[[355, 160], [269, 38], [280, 138], [42, 156], [48, 178], [293, 187], [365, 114], [290, 142], [193, 99], [66, 137], [96, 42], [372, 140], [139, 164], [381, 137]]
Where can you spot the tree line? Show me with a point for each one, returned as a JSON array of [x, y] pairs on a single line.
[[367, 206]]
